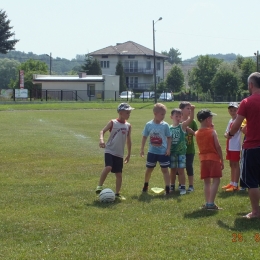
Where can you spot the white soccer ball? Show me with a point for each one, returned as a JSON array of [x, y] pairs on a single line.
[[107, 195]]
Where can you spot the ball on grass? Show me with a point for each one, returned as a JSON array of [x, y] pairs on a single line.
[[107, 195]]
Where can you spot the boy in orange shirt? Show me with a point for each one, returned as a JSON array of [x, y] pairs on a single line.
[[211, 158]]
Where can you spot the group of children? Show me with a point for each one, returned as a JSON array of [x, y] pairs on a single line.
[[172, 146]]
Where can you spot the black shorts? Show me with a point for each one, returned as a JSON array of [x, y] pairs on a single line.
[[115, 162], [152, 159], [250, 168]]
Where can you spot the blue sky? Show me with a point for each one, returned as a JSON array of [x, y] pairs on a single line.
[[195, 27]]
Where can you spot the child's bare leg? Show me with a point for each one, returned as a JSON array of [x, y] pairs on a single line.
[[181, 176], [104, 174], [166, 176], [207, 189], [214, 189], [148, 174], [173, 175], [235, 171], [118, 182]]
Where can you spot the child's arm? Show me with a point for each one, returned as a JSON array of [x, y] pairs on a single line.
[[218, 148], [243, 129], [186, 123], [190, 131], [142, 146], [102, 132], [169, 143], [129, 145]]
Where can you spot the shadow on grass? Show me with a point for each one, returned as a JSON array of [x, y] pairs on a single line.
[[146, 197], [201, 213], [241, 224], [97, 203], [226, 194]]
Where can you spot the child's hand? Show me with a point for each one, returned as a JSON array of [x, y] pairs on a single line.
[[102, 144], [226, 135], [142, 153], [168, 152], [192, 107], [127, 158], [222, 165]]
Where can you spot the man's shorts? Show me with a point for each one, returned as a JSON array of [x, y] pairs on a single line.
[[152, 159], [210, 169], [178, 161], [250, 167], [233, 156], [115, 162]]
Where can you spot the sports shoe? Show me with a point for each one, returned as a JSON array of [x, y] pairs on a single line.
[[182, 191], [172, 188], [214, 207], [227, 186], [242, 189], [232, 188], [145, 188], [190, 189], [99, 189], [120, 197]]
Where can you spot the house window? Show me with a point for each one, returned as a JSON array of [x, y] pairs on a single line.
[[91, 90], [104, 64], [131, 66], [148, 65], [132, 82], [158, 66]]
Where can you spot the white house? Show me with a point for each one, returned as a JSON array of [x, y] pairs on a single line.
[[138, 63], [82, 85]]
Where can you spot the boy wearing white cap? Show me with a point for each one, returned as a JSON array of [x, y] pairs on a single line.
[[120, 134], [233, 147]]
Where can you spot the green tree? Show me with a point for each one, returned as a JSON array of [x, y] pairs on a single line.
[[92, 66], [8, 71], [120, 72], [173, 56], [204, 72], [226, 79], [175, 79], [248, 66], [5, 34], [30, 67], [239, 61]]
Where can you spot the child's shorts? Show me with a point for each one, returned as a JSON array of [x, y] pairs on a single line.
[[152, 159], [210, 169], [233, 156], [115, 162], [178, 161]]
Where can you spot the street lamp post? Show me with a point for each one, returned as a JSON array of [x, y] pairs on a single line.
[[257, 55], [154, 68], [50, 61]]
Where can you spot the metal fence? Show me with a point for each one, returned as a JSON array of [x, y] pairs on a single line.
[[87, 96]]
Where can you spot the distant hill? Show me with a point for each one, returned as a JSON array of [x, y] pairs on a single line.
[[59, 66], [225, 57]]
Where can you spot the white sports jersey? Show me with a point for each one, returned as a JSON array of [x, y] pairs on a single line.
[[116, 142], [234, 143]]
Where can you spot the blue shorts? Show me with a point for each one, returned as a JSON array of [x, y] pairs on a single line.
[[250, 168], [115, 162], [152, 159], [178, 161]]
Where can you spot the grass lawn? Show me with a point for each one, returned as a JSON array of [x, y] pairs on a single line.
[[50, 167]]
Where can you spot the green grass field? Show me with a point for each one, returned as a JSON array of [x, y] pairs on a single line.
[[50, 167]]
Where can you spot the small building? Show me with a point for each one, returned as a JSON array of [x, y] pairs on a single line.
[[82, 87]]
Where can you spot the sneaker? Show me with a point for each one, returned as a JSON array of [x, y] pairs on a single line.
[[99, 189], [190, 189], [172, 188], [242, 189], [227, 186], [182, 191], [214, 207], [232, 188], [145, 188], [120, 197]]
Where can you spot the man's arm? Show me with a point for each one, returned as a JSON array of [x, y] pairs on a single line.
[[236, 125]]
